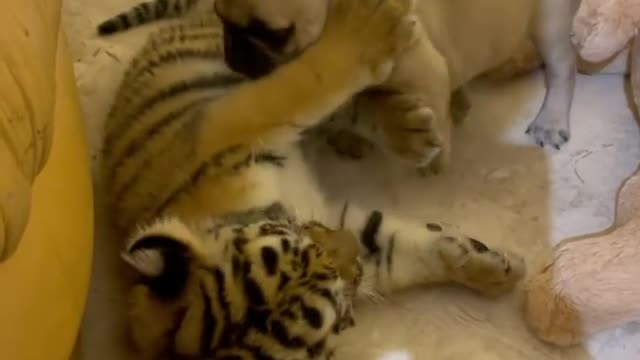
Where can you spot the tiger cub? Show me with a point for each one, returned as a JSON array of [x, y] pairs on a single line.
[[238, 252]]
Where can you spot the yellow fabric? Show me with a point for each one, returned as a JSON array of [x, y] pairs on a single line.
[[28, 42], [46, 208]]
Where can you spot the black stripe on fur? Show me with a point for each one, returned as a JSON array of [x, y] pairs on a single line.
[[180, 55], [140, 15], [161, 7], [312, 315], [209, 322], [135, 146], [144, 13], [215, 81], [343, 214], [221, 294], [390, 249], [369, 235], [116, 24], [270, 260], [281, 334], [194, 179], [217, 160]]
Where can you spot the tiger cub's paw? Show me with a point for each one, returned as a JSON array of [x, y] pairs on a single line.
[[478, 267], [371, 32]]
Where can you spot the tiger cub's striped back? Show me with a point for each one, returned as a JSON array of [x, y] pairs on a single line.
[[178, 71]]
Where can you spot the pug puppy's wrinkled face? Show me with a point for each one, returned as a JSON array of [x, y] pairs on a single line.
[[260, 34]]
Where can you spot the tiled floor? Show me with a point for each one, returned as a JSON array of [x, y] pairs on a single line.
[[500, 189]]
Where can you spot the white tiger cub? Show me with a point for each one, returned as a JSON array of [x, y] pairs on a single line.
[[229, 232]]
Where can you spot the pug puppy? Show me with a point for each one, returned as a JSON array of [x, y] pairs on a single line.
[[459, 40]]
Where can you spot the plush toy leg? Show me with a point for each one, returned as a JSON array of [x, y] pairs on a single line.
[[592, 284], [635, 71]]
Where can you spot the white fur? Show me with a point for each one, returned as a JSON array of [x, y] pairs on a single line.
[[148, 262]]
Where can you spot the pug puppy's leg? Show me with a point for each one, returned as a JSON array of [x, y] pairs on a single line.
[[420, 126], [553, 34]]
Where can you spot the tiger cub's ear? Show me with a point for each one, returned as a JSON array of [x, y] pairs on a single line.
[[163, 258]]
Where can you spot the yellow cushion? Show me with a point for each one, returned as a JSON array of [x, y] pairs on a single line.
[[28, 44], [45, 187]]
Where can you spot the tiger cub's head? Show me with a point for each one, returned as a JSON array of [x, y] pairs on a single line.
[[232, 288]]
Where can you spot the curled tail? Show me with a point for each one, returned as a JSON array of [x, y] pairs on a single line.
[[144, 13]]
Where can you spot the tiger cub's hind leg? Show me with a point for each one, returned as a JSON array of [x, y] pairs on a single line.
[[450, 257], [399, 253]]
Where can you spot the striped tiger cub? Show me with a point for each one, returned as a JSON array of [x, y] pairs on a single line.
[[238, 252]]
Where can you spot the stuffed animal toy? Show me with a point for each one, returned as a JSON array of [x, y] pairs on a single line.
[[592, 284], [602, 28]]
